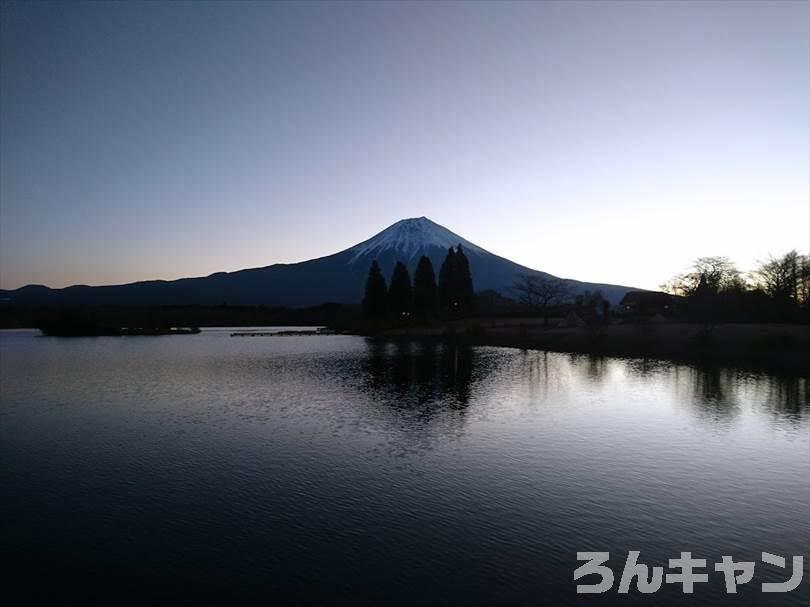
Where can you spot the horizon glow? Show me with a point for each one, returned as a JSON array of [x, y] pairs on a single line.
[[606, 142]]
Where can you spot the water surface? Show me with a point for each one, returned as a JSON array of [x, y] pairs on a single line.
[[334, 469]]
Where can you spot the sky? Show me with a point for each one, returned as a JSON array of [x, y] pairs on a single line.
[[607, 142]]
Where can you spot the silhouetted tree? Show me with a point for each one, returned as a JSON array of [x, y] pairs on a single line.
[[778, 290], [594, 310], [708, 275], [375, 300], [539, 293], [447, 296], [784, 278], [463, 282], [804, 282], [424, 289], [456, 292], [399, 292], [702, 286]]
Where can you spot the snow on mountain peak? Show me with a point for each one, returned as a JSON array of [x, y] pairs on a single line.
[[409, 237]]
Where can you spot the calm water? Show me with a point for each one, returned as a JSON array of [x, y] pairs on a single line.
[[339, 470]]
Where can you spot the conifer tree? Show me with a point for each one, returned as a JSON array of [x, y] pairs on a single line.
[[375, 300], [447, 280], [424, 289], [463, 280], [399, 292]]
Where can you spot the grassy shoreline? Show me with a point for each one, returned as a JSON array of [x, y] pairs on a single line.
[[772, 347]]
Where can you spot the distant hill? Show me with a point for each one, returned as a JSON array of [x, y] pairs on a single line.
[[338, 278]]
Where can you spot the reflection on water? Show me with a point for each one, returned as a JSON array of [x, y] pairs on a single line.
[[715, 392], [349, 470], [435, 375], [428, 374], [788, 396]]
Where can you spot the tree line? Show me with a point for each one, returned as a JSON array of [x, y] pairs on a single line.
[[425, 298], [713, 290], [777, 290]]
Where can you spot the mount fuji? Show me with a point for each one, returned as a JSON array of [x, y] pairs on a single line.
[[338, 278]]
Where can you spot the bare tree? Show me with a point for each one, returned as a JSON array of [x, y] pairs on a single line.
[[785, 277], [539, 293], [803, 288], [709, 278], [710, 275]]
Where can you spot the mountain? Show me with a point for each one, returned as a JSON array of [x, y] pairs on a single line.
[[336, 278]]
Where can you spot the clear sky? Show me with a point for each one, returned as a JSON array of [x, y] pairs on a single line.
[[609, 142]]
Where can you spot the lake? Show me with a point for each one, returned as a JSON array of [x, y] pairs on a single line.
[[341, 470]]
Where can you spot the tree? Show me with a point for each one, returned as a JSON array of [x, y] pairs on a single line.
[[399, 292], [447, 300], [784, 278], [594, 310], [776, 291], [540, 293], [456, 292], [375, 300], [712, 284], [707, 276], [803, 288], [424, 288], [463, 282]]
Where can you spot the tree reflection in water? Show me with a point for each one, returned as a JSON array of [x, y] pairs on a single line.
[[428, 374], [431, 376]]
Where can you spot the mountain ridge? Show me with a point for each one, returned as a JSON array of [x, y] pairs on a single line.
[[338, 277]]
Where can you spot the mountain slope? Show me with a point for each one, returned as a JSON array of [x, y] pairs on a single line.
[[335, 278]]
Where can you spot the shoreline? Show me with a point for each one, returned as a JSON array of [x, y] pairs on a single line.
[[774, 348], [766, 347]]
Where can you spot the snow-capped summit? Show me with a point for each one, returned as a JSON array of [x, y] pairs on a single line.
[[339, 278], [410, 238]]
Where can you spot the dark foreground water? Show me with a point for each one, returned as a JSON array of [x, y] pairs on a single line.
[[334, 470]]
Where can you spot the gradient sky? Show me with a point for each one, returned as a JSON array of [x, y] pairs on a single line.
[[610, 142]]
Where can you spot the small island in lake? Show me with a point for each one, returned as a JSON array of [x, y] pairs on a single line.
[[87, 327]]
